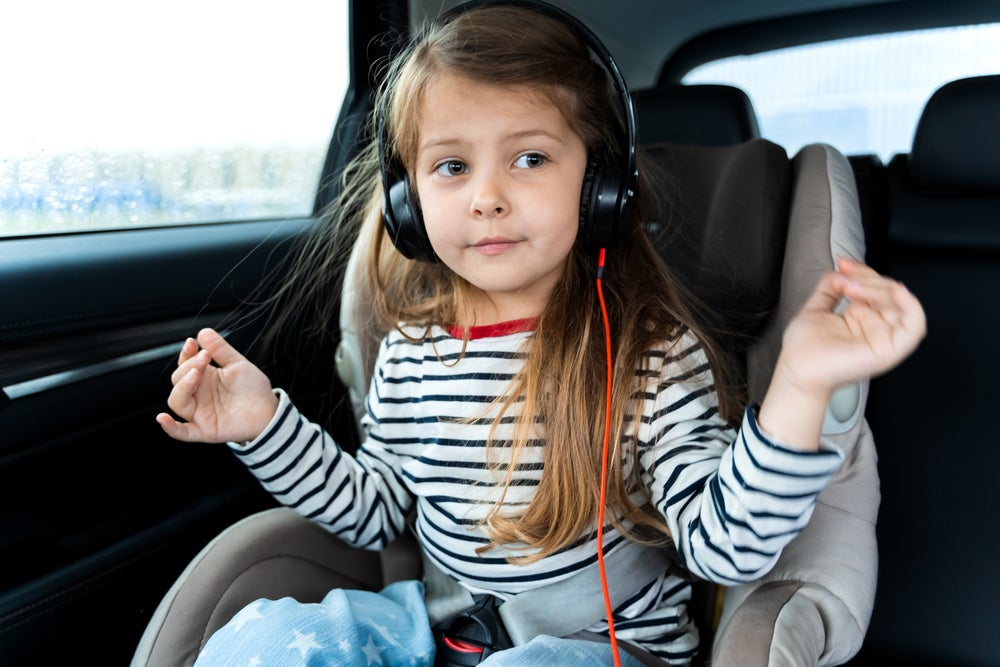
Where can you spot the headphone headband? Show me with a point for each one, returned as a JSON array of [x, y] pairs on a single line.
[[608, 188]]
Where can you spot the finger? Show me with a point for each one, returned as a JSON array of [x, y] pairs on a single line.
[[865, 283], [891, 334], [220, 349], [182, 397], [877, 294], [869, 325], [827, 293], [863, 276], [855, 268], [177, 430], [914, 320], [188, 350], [847, 264], [199, 361]]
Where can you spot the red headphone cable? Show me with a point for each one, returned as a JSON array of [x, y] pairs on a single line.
[[604, 461]]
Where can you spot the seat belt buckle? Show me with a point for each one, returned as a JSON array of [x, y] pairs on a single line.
[[472, 636]]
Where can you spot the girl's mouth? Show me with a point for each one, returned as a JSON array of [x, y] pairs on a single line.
[[494, 245]]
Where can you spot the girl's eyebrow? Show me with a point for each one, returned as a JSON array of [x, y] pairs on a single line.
[[439, 143], [436, 142]]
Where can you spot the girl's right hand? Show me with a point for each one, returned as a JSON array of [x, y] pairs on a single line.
[[231, 401]]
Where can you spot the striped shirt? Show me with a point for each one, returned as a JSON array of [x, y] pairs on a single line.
[[732, 499]]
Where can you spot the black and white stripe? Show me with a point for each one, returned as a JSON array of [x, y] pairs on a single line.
[[732, 500]]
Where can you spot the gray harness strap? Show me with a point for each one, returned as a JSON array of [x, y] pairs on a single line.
[[443, 596], [559, 609]]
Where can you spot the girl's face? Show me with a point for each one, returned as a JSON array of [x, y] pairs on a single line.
[[499, 174]]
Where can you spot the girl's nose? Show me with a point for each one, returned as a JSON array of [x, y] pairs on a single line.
[[488, 200]]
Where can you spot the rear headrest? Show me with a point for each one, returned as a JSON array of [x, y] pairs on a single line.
[[957, 142], [704, 114], [721, 221]]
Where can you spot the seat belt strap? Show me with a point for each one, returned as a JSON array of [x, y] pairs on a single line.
[[577, 602], [443, 596], [558, 609]]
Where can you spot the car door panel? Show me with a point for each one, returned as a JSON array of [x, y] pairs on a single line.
[[101, 510]]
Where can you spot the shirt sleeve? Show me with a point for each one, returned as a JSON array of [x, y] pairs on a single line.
[[732, 499], [362, 499]]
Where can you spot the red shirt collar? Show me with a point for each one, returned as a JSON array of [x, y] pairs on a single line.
[[495, 330]]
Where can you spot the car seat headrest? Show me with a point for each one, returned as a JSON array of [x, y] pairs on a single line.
[[720, 223], [957, 140], [702, 114]]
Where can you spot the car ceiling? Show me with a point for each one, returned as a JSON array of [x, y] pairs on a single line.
[[629, 28]]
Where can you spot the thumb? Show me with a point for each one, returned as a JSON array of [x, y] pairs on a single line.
[[182, 431], [220, 349], [828, 293]]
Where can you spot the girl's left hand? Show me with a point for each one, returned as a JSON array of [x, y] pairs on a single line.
[[882, 324]]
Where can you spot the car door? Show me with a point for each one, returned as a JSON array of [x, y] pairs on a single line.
[[134, 211]]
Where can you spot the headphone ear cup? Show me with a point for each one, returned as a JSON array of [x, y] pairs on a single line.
[[604, 202], [404, 221]]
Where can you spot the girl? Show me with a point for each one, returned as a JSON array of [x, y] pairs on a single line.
[[486, 410]]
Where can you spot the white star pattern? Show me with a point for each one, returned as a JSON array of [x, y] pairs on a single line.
[[372, 652], [304, 642], [384, 631], [247, 614], [256, 637]]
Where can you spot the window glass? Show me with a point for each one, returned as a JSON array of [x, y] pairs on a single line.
[[862, 95], [119, 113]]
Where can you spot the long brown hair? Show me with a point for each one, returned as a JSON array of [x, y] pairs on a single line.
[[561, 385]]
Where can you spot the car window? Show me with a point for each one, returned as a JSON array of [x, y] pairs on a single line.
[[124, 114], [862, 95]]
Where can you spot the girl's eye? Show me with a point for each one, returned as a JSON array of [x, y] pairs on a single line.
[[452, 168], [530, 161]]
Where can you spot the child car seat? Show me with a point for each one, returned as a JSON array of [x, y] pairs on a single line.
[[813, 608]]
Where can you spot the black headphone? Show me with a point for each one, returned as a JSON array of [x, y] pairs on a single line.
[[609, 186]]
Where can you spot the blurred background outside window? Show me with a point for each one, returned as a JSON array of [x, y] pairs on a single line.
[[131, 114], [861, 95]]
